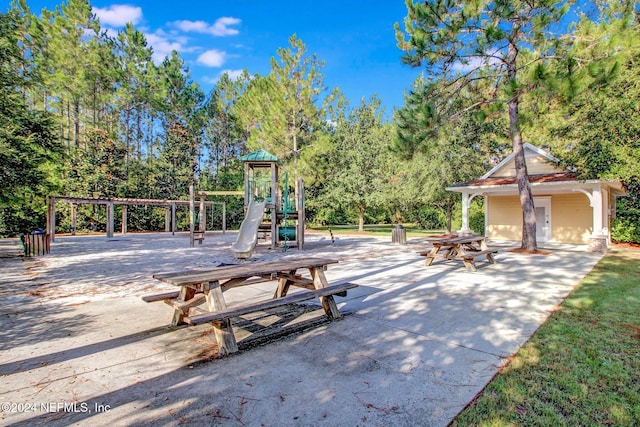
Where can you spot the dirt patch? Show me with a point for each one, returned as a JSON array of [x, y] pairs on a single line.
[[626, 246], [528, 252]]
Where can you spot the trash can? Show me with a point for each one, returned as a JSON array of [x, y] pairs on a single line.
[[35, 243], [399, 235]]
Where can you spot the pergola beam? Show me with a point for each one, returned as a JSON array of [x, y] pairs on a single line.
[[169, 205]]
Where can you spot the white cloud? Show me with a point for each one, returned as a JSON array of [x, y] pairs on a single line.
[[118, 15], [112, 32], [212, 58], [233, 75], [221, 28], [475, 62], [162, 45]]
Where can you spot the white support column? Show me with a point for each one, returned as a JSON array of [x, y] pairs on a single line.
[[466, 201], [596, 204], [599, 236], [467, 198]]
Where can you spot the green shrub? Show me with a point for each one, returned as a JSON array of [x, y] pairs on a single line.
[[625, 230], [430, 218]]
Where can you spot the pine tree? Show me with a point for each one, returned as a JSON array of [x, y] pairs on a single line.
[[462, 43], [27, 146]]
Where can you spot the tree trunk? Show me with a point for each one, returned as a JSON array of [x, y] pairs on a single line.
[[76, 122], [361, 219], [449, 217], [524, 187]]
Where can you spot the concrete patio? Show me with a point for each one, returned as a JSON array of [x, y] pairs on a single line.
[[416, 344]]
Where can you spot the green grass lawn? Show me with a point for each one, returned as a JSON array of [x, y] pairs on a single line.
[[378, 229], [582, 367]]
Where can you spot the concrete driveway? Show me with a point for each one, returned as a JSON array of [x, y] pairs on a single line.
[[416, 344]]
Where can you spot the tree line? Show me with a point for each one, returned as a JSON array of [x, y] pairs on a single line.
[[89, 114]]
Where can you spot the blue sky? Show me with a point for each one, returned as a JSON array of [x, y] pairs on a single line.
[[355, 39]]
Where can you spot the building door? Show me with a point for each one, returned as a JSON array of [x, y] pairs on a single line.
[[543, 218]]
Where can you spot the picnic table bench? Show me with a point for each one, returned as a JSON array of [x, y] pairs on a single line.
[[199, 236], [198, 287], [465, 249]]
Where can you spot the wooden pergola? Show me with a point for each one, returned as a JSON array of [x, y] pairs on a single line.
[[169, 206]]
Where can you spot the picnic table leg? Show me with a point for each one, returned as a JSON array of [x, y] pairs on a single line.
[[222, 329], [431, 255], [283, 286], [186, 293], [490, 258], [469, 264], [328, 303]]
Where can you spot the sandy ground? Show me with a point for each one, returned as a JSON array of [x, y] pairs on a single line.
[[90, 268], [78, 346]]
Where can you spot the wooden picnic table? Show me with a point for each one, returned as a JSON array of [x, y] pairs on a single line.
[[198, 287], [465, 249]]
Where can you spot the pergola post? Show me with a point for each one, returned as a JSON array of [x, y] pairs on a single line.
[[224, 217], [173, 219], [74, 220], [124, 219], [51, 218], [109, 207], [167, 219], [191, 214], [203, 216]]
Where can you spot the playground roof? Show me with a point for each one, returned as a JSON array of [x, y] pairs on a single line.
[[260, 156]]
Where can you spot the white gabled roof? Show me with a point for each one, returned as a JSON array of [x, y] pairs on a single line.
[[533, 152]]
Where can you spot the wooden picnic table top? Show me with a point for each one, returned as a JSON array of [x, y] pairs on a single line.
[[263, 268], [458, 240]]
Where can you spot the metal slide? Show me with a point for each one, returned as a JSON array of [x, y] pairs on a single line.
[[248, 235]]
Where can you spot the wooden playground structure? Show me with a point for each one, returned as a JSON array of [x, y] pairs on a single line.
[[283, 219], [110, 204]]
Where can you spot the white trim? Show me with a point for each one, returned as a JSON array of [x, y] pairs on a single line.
[[615, 187], [486, 217], [525, 146], [467, 198], [586, 193]]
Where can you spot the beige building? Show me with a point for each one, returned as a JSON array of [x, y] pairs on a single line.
[[567, 210]]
